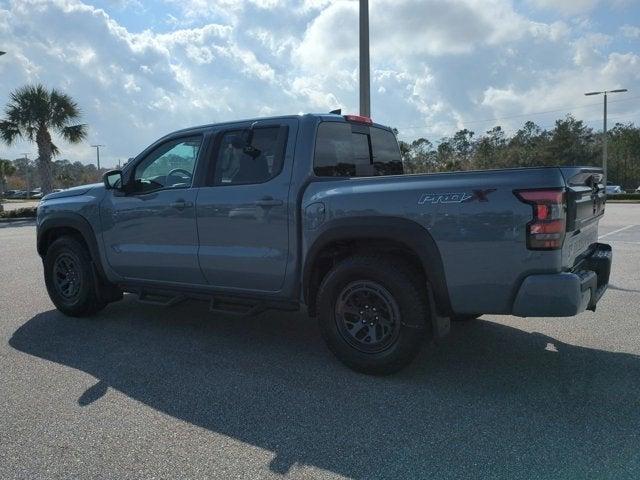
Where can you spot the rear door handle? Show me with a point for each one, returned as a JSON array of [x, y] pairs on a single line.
[[180, 204], [268, 202]]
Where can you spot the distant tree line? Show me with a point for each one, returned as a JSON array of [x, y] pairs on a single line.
[[569, 142], [64, 174]]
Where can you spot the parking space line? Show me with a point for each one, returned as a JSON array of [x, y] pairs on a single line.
[[616, 231]]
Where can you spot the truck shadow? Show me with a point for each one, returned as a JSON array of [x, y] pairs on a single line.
[[489, 401]]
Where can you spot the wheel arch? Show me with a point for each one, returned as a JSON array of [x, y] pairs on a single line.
[[69, 223], [397, 236]]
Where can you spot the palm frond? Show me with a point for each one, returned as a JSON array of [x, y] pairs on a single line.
[[63, 109], [9, 132], [74, 133], [29, 105], [55, 151]]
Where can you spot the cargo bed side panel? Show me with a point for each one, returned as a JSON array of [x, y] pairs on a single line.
[[474, 217]]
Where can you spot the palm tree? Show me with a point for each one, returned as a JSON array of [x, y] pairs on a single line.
[[33, 113]]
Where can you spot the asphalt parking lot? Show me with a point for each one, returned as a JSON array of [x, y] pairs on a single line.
[[147, 392]]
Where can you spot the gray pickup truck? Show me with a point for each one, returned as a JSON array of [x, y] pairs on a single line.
[[315, 210]]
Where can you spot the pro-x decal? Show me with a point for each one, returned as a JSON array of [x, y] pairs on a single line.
[[455, 197]]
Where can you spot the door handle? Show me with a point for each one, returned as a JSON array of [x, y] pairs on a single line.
[[180, 204], [268, 202]]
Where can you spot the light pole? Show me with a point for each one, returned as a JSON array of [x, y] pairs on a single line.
[[97, 147], [365, 81], [604, 129]]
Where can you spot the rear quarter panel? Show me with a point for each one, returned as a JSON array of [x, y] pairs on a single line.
[[480, 237]]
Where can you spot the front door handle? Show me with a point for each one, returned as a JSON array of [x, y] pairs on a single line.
[[268, 202], [180, 204]]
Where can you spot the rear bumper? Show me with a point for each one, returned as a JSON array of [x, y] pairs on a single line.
[[568, 293]]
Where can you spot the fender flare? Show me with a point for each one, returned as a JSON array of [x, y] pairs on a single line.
[[406, 232], [76, 222]]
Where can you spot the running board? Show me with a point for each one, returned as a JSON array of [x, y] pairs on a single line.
[[151, 298], [235, 308], [226, 304]]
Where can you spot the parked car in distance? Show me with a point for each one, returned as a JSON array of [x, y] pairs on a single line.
[[11, 194], [614, 189], [315, 211]]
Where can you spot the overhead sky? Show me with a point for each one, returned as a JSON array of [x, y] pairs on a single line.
[[141, 69]]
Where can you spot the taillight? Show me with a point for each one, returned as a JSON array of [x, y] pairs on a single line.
[[547, 229]]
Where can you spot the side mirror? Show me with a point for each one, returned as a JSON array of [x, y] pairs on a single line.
[[112, 180]]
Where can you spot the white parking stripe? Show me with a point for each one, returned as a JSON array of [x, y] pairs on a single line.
[[616, 231]]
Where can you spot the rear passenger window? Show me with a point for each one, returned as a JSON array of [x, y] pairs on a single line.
[[343, 153], [386, 152], [239, 164]]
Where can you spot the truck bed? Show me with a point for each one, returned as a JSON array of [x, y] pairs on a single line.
[[476, 221]]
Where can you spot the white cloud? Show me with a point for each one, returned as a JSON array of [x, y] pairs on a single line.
[[630, 31], [567, 7], [588, 49]]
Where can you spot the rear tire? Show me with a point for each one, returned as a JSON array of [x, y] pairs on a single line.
[[69, 277], [373, 313]]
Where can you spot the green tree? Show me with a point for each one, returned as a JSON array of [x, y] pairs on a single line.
[[6, 169], [571, 143], [33, 113], [421, 156], [527, 147], [490, 149], [624, 155]]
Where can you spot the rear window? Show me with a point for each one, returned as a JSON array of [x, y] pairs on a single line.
[[341, 152]]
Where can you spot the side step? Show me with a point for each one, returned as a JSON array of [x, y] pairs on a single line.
[[153, 298], [222, 304], [239, 309]]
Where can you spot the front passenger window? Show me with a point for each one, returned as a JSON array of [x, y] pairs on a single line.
[[171, 165]]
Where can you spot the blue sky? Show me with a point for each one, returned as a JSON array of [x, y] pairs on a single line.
[[141, 69]]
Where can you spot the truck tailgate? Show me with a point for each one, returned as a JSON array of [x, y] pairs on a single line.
[[585, 206]]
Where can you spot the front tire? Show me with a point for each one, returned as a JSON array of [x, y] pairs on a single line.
[[69, 277], [373, 313]]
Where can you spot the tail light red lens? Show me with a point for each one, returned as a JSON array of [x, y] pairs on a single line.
[[547, 229]]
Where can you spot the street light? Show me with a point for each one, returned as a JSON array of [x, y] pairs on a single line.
[[97, 147], [604, 130], [365, 81], [2, 53]]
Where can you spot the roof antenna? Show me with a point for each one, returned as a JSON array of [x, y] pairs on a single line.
[[337, 111]]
